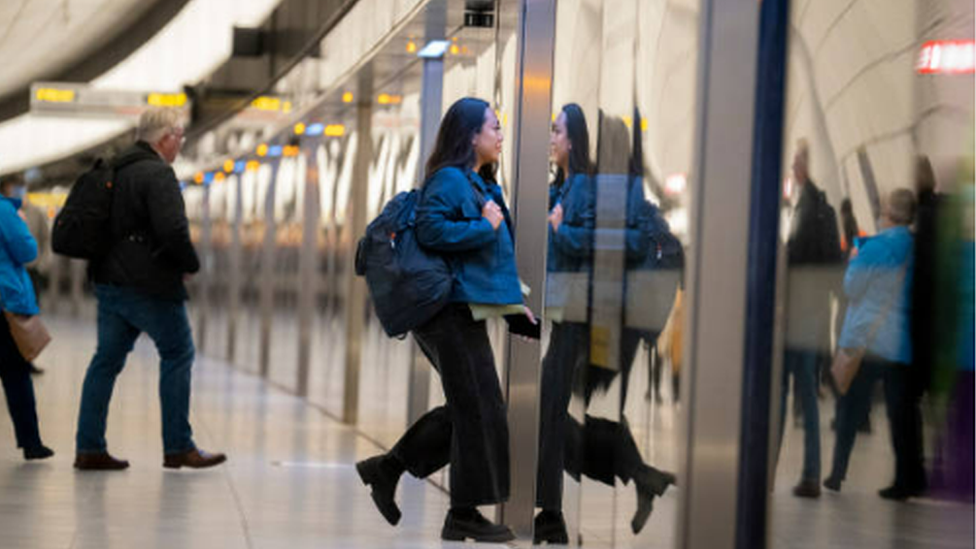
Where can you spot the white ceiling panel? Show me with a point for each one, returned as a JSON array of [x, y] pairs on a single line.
[[39, 37]]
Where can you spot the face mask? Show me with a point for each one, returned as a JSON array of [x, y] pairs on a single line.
[[19, 192]]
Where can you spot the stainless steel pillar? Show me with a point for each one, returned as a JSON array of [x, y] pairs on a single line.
[[529, 205], [355, 287], [716, 274], [205, 277], [267, 284], [431, 104], [308, 270], [234, 277]]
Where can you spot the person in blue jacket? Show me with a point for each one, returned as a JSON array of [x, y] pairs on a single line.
[[462, 214], [601, 449], [878, 284], [17, 249]]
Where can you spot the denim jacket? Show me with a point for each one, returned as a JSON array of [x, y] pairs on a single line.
[[449, 221], [878, 283], [17, 248], [571, 247]]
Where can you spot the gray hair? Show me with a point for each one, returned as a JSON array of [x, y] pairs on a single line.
[[156, 122], [901, 206]]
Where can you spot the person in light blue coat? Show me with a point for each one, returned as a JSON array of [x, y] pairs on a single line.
[[17, 248], [878, 284]]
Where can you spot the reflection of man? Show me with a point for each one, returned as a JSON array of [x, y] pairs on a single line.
[[814, 245], [14, 187]]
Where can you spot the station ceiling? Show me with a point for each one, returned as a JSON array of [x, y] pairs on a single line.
[[41, 39]]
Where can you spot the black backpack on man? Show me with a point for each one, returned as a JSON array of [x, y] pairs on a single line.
[[83, 228]]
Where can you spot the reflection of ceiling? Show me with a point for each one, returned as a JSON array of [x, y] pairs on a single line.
[[39, 38]]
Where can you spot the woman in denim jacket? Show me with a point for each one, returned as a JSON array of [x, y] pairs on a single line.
[[462, 214]]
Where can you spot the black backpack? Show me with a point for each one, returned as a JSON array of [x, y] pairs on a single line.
[[83, 228], [407, 283]]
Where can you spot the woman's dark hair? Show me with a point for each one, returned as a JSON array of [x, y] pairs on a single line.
[[453, 146], [579, 137]]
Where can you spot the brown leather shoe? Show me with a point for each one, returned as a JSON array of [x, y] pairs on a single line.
[[99, 462], [194, 459]]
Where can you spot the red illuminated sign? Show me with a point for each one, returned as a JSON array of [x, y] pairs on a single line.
[[947, 57]]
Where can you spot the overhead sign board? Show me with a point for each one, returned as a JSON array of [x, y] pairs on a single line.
[[63, 98]]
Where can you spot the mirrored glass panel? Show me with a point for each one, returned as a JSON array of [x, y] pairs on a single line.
[[620, 153], [875, 407]]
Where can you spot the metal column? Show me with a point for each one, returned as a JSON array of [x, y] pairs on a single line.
[[431, 104], [206, 276], [717, 273], [355, 287], [268, 277], [234, 277], [308, 270], [529, 205]]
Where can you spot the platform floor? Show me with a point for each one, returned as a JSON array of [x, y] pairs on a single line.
[[290, 481]]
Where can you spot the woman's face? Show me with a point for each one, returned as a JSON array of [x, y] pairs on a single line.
[[488, 142], [559, 144]]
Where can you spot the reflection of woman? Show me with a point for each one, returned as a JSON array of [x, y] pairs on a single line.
[[569, 262], [601, 449], [17, 296], [463, 216], [877, 283]]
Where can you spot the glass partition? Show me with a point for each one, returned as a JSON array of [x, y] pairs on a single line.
[[620, 151], [876, 276]]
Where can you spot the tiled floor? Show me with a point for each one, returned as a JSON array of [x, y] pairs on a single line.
[[290, 480]]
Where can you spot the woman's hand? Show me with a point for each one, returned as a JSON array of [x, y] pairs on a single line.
[[530, 315], [493, 214], [556, 217]]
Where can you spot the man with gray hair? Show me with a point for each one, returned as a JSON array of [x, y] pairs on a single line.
[[139, 286]]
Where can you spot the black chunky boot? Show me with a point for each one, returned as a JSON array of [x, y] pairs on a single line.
[[382, 473], [650, 483], [464, 523], [550, 527]]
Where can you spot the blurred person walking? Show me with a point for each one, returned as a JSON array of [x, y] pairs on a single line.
[[878, 284], [813, 251], [17, 249], [139, 286]]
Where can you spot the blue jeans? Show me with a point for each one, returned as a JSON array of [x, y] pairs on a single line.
[[123, 314], [802, 366]]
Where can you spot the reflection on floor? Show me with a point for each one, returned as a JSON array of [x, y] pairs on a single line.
[[290, 480], [856, 517]]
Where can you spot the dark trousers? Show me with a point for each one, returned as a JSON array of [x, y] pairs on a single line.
[[600, 449], [560, 445], [18, 389], [123, 314], [904, 418], [471, 430]]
